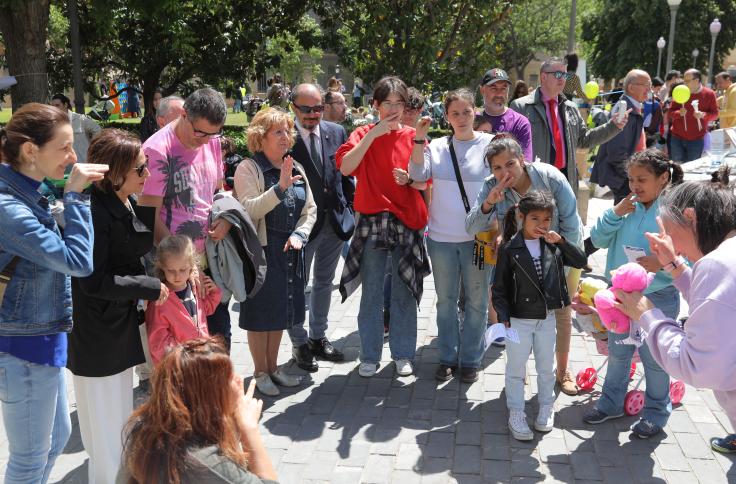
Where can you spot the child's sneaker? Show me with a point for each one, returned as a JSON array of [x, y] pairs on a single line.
[[367, 370], [517, 425], [645, 429], [726, 445], [595, 416], [545, 419]]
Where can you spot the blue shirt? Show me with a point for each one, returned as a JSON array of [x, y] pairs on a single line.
[[47, 349], [613, 232]]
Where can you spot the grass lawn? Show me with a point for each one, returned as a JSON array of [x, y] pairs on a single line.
[[239, 119]]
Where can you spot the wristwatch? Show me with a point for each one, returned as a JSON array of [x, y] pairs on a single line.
[[674, 264], [419, 141]]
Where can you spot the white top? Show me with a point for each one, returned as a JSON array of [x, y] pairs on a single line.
[[446, 211]]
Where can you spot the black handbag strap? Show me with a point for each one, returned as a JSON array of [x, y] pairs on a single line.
[[459, 178]]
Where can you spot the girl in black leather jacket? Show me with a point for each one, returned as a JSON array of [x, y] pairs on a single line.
[[529, 285]]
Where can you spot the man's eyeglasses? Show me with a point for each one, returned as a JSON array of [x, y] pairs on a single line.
[[202, 134], [560, 74], [310, 109]]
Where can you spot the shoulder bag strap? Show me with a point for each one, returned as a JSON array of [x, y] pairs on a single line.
[[459, 178]]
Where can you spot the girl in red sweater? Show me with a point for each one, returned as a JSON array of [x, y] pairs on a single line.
[[183, 317]]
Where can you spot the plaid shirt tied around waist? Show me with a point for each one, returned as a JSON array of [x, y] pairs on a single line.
[[387, 231]]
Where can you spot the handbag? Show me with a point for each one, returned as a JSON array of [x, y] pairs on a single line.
[[5, 275], [484, 251]]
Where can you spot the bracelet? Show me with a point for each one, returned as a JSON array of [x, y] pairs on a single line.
[[419, 141], [673, 265]]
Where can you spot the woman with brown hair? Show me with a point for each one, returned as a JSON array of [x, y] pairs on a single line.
[[36, 260], [199, 426], [105, 343]]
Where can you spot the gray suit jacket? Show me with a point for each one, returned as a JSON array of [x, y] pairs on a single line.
[[577, 134]]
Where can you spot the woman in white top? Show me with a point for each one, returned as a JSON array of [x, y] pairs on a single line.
[[449, 244]]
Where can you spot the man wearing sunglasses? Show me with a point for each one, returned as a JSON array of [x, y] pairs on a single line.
[[185, 161], [316, 143], [557, 130]]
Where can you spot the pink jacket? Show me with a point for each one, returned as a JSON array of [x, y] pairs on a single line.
[[702, 354], [170, 323]]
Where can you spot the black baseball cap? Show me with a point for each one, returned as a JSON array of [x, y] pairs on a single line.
[[492, 76]]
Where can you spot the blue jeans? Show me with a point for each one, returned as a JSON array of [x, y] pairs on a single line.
[[325, 250], [451, 263], [403, 336], [657, 405], [538, 335], [683, 150], [36, 418]]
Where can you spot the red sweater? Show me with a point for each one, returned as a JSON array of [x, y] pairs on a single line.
[[170, 323], [706, 103], [376, 190]]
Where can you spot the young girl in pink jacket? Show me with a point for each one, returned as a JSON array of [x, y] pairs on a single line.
[[183, 317]]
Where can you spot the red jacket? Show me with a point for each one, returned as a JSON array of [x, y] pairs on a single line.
[[707, 104], [170, 323]]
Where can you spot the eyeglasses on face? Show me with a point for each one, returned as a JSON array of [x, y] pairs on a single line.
[[202, 134], [559, 74], [140, 169], [390, 105], [310, 109]]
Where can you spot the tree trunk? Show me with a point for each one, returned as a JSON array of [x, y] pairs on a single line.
[[23, 25]]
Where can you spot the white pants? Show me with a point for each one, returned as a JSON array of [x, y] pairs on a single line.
[[536, 335], [144, 370], [103, 407]]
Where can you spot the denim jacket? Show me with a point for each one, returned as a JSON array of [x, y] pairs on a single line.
[[38, 299], [565, 219]]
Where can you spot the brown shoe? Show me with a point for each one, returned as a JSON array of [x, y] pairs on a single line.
[[567, 384]]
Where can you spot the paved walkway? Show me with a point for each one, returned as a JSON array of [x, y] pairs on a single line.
[[340, 428]]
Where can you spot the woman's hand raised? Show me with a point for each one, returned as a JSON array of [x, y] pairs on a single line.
[[83, 174], [285, 179]]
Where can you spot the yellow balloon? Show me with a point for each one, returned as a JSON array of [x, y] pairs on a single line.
[[681, 94], [591, 89]]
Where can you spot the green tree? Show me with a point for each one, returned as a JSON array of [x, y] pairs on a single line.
[[290, 56], [170, 43], [23, 24], [434, 44], [622, 34]]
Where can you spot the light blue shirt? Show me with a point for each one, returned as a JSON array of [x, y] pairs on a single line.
[[613, 233]]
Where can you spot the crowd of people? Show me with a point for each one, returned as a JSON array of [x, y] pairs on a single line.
[[135, 269]]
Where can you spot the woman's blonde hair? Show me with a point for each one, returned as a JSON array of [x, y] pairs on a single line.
[[174, 245], [263, 121]]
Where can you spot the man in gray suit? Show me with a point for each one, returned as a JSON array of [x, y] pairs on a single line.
[[315, 147]]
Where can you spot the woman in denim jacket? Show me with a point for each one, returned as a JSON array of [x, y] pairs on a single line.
[[511, 179], [35, 311]]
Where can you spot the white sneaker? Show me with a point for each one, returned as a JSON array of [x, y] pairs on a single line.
[[404, 367], [517, 425], [367, 370], [284, 379], [545, 419], [265, 385]]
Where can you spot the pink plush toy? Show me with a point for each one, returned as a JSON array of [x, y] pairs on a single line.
[[629, 277]]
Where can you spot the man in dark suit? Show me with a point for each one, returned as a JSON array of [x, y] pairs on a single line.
[[315, 147]]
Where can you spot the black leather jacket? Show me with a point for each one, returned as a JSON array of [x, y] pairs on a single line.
[[516, 289]]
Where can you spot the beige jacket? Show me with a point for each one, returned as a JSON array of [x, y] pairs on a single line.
[[250, 190]]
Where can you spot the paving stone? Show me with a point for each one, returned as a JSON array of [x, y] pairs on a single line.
[[678, 477], [585, 466], [440, 444], [707, 471], [467, 433], [495, 471], [377, 470], [342, 475], [496, 447], [467, 459], [671, 458], [553, 450], [409, 457], [693, 446]]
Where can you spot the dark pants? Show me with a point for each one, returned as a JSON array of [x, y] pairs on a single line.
[[219, 321]]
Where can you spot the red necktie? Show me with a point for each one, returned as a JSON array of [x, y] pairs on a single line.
[[556, 135]]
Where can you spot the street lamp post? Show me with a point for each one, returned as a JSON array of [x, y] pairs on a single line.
[[673, 14], [696, 53], [660, 46], [715, 27]]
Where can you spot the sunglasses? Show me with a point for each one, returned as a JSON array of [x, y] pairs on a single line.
[[559, 74], [140, 169], [309, 109]]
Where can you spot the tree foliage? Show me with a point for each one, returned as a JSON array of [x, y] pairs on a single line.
[[169, 43], [434, 44], [288, 54], [622, 34]]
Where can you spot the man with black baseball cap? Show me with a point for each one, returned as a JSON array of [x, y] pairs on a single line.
[[495, 90]]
